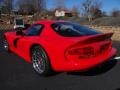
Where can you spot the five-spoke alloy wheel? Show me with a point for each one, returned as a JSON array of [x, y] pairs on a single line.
[[40, 61]]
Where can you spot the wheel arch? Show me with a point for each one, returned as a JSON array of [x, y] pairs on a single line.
[[32, 46], [36, 44], [53, 63]]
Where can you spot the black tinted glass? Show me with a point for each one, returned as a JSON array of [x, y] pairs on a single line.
[[34, 30], [72, 29]]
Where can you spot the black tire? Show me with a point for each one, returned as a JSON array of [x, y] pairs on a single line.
[[40, 61]]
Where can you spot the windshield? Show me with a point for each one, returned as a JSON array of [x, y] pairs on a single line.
[[19, 22], [72, 29]]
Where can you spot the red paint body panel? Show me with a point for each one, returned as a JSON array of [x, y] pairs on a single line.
[[65, 53]]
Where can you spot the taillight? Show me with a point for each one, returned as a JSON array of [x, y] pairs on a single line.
[[85, 52], [105, 47]]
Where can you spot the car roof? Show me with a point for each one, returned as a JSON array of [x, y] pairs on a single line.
[[44, 21]]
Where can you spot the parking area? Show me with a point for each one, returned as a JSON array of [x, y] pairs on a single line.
[[16, 74]]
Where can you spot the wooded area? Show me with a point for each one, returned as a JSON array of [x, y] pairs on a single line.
[[88, 10]]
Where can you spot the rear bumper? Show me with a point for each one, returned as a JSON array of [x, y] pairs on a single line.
[[87, 64]]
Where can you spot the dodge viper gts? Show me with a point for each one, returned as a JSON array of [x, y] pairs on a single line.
[[61, 46]]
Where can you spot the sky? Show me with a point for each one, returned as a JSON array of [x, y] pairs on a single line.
[[107, 5]]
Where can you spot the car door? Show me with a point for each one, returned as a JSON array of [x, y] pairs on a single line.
[[31, 36]]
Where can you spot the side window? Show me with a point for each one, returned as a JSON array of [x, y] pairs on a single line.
[[34, 30]]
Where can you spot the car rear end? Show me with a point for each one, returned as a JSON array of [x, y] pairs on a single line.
[[90, 52], [86, 47]]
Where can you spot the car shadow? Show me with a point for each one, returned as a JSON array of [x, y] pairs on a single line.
[[101, 69], [97, 70], [117, 89]]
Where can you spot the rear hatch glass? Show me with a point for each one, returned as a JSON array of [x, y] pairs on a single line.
[[69, 29]]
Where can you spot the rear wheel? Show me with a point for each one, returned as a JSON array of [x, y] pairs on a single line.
[[40, 61]]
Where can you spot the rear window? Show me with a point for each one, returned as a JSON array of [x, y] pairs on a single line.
[[69, 29]]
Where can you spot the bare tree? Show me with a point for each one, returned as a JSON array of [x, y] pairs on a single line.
[[40, 5], [90, 7], [26, 6], [75, 10], [31, 6], [8, 4], [86, 6], [95, 10], [115, 13], [0, 7]]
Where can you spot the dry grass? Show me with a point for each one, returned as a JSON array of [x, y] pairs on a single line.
[[107, 29]]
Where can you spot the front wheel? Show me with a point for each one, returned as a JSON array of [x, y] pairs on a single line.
[[5, 45], [40, 61]]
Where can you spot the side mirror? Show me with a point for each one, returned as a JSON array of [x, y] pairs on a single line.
[[19, 31]]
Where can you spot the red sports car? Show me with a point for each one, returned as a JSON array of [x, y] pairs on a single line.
[[60, 46]]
